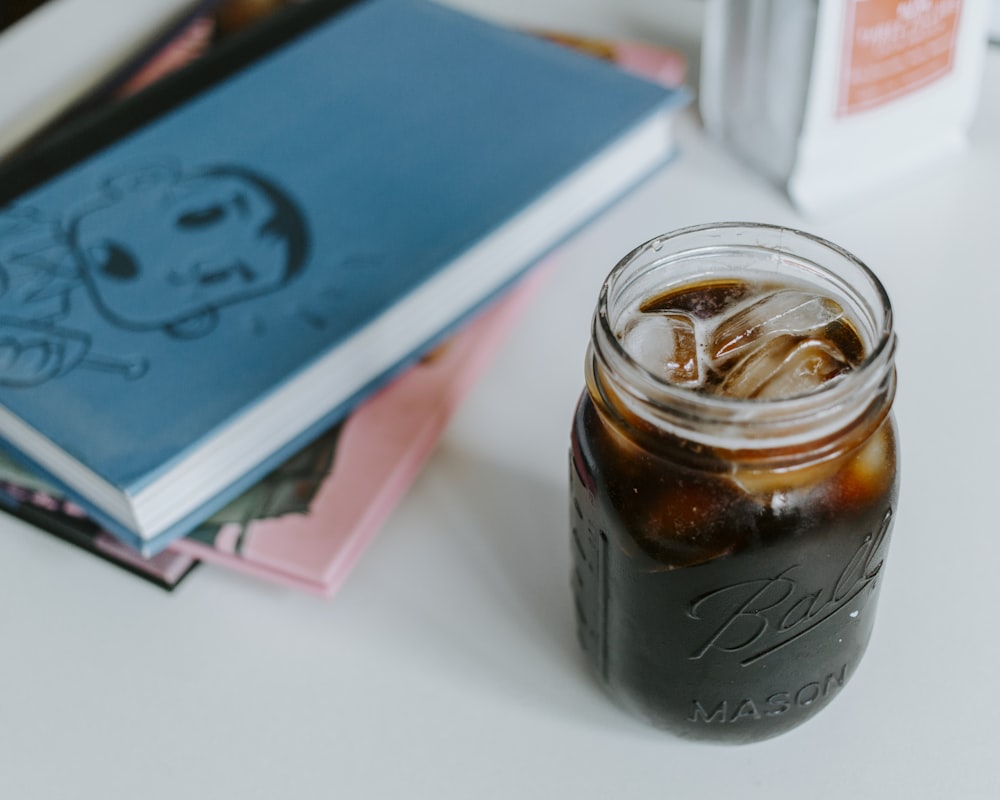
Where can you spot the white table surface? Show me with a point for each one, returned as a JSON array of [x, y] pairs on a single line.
[[447, 665]]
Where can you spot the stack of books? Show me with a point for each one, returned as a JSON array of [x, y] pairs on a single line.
[[238, 307]]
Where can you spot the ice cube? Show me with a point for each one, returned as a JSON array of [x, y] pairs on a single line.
[[666, 344], [780, 312], [784, 366], [868, 474]]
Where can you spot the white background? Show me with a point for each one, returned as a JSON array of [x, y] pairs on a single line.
[[447, 665]]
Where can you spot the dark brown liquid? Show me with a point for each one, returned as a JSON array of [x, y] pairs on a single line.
[[720, 602]]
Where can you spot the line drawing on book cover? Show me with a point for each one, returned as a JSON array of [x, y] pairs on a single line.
[[208, 238]]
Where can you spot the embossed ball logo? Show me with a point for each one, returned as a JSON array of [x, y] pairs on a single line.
[[755, 618]]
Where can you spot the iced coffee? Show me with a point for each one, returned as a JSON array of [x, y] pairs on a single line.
[[733, 478]]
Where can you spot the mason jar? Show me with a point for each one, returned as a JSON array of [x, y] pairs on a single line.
[[733, 478]]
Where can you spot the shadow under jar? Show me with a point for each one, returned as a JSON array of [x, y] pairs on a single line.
[[733, 478]]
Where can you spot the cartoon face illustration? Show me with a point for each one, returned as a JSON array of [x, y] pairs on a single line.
[[162, 249]]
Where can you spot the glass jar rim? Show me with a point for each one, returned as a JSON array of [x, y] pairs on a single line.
[[716, 419]]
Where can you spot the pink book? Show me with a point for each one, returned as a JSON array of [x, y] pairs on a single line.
[[308, 523]]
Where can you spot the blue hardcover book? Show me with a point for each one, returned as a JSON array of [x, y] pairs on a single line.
[[199, 281]]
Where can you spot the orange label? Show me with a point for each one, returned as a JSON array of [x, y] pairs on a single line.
[[892, 47]]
